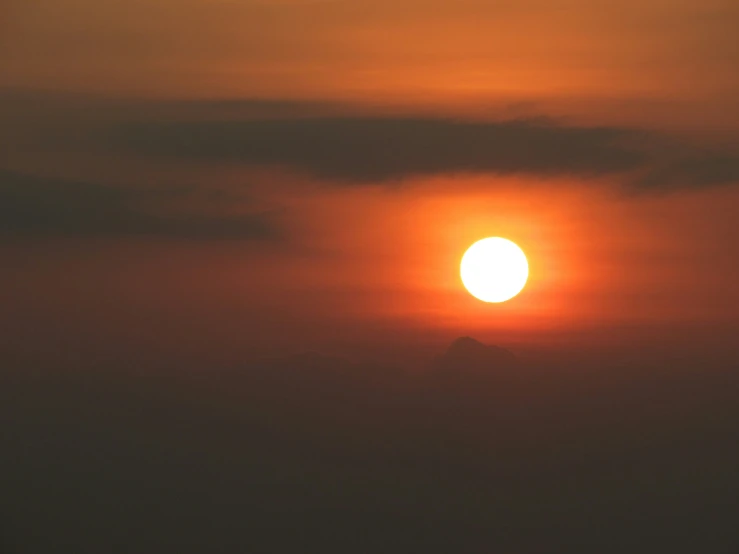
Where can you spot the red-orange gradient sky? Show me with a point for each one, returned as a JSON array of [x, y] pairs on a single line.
[[203, 179]]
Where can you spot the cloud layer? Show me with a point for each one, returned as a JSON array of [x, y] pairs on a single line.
[[351, 149], [53, 207], [365, 149], [328, 141]]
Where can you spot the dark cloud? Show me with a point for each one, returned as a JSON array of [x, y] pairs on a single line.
[[46, 207], [378, 149], [348, 144], [365, 149], [694, 170]]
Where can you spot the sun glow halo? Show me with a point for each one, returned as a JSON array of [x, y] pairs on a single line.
[[494, 269]]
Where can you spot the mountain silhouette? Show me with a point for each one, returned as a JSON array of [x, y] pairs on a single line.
[[468, 356]]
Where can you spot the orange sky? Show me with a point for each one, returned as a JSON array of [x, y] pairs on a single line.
[[377, 49], [360, 263], [370, 267]]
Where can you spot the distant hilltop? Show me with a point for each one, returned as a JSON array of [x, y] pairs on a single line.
[[469, 355]]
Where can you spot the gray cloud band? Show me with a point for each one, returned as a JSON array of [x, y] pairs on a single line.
[[362, 150], [52, 207]]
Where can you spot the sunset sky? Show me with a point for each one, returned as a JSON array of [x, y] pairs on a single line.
[[232, 318], [197, 181]]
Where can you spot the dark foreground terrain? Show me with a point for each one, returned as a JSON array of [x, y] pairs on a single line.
[[481, 453]]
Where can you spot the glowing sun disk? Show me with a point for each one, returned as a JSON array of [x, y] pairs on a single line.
[[494, 269]]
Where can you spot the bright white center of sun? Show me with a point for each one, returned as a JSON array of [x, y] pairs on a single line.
[[494, 269]]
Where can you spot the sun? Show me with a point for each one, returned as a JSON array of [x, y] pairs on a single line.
[[494, 269]]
